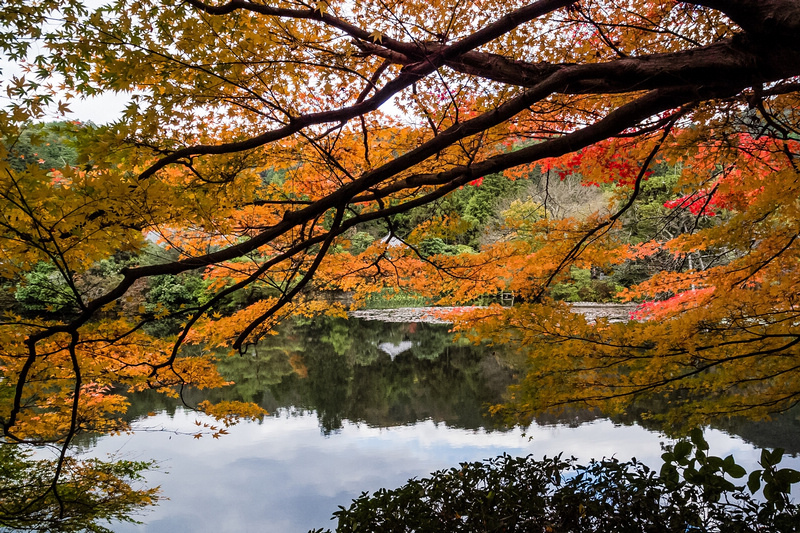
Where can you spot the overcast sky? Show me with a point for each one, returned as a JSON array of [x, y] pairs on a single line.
[[99, 110]]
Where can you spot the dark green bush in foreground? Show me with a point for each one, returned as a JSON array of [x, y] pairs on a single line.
[[693, 492]]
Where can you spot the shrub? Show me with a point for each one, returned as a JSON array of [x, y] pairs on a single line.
[[45, 290], [693, 492]]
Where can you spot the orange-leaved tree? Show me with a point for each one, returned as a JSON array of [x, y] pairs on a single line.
[[260, 135]]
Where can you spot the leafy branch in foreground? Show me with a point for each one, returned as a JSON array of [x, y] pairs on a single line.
[[693, 491]]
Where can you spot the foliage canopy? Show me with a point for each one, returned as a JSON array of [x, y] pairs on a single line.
[[260, 137]]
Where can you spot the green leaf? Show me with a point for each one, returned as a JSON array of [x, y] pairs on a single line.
[[775, 456], [682, 449], [735, 471], [754, 481], [770, 493], [771, 458], [697, 438], [785, 477], [716, 463]]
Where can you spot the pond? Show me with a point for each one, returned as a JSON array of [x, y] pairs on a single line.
[[355, 406]]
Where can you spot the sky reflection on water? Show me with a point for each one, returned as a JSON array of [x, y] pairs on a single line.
[[285, 475], [357, 406]]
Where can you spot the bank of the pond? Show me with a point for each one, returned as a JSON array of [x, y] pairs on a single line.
[[428, 315], [439, 315]]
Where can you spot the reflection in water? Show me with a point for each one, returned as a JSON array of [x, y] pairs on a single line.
[[284, 476], [389, 374], [355, 406], [373, 372], [68, 494]]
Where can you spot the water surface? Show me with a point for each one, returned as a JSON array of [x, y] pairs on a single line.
[[356, 406]]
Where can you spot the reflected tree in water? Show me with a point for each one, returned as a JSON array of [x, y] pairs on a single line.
[[337, 368], [68, 494]]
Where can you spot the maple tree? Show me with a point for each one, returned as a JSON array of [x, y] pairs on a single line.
[[260, 136]]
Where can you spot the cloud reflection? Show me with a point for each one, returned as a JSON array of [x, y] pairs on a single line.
[[283, 475]]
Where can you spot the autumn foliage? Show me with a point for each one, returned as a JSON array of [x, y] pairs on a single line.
[[259, 138]]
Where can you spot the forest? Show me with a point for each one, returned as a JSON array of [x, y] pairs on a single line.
[[298, 158]]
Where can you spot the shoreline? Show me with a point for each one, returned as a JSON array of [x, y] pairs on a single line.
[[433, 315]]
